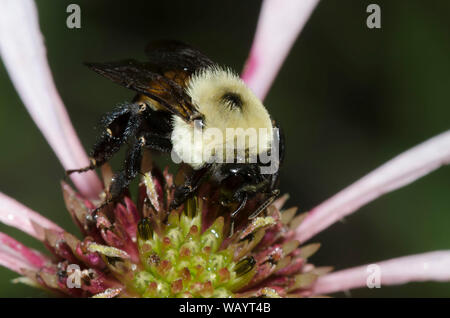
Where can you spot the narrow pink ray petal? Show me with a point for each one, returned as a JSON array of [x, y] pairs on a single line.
[[15, 256], [17, 215], [24, 54], [432, 266], [13, 262], [396, 173], [280, 21], [33, 257]]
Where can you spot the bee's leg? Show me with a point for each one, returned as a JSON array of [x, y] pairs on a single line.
[[190, 185], [244, 194], [253, 183], [235, 213], [122, 179], [271, 191], [117, 127], [158, 142], [265, 204]]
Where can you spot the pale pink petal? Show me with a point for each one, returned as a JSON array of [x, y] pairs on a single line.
[[15, 256], [396, 173], [17, 215], [280, 21], [23, 52], [432, 266], [33, 257], [13, 262]]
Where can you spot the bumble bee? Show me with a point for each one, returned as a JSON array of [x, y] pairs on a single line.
[[178, 91]]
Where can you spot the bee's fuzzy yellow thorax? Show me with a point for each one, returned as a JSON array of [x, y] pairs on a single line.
[[210, 90]]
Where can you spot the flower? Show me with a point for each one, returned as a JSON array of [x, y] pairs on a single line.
[[143, 249]]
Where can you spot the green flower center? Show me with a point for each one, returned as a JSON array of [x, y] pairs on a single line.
[[180, 261]]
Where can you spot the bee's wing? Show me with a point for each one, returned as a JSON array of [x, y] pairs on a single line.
[[169, 55], [140, 78]]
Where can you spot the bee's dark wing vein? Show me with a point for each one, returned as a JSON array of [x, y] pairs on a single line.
[[138, 77]]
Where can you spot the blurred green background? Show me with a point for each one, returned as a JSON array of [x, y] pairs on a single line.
[[349, 98]]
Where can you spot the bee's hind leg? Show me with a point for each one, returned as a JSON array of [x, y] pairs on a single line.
[[117, 126], [121, 179], [131, 168]]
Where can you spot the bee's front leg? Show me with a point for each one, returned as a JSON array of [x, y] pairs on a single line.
[[190, 186]]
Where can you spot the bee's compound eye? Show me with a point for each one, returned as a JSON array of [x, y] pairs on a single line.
[[142, 141], [109, 132]]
